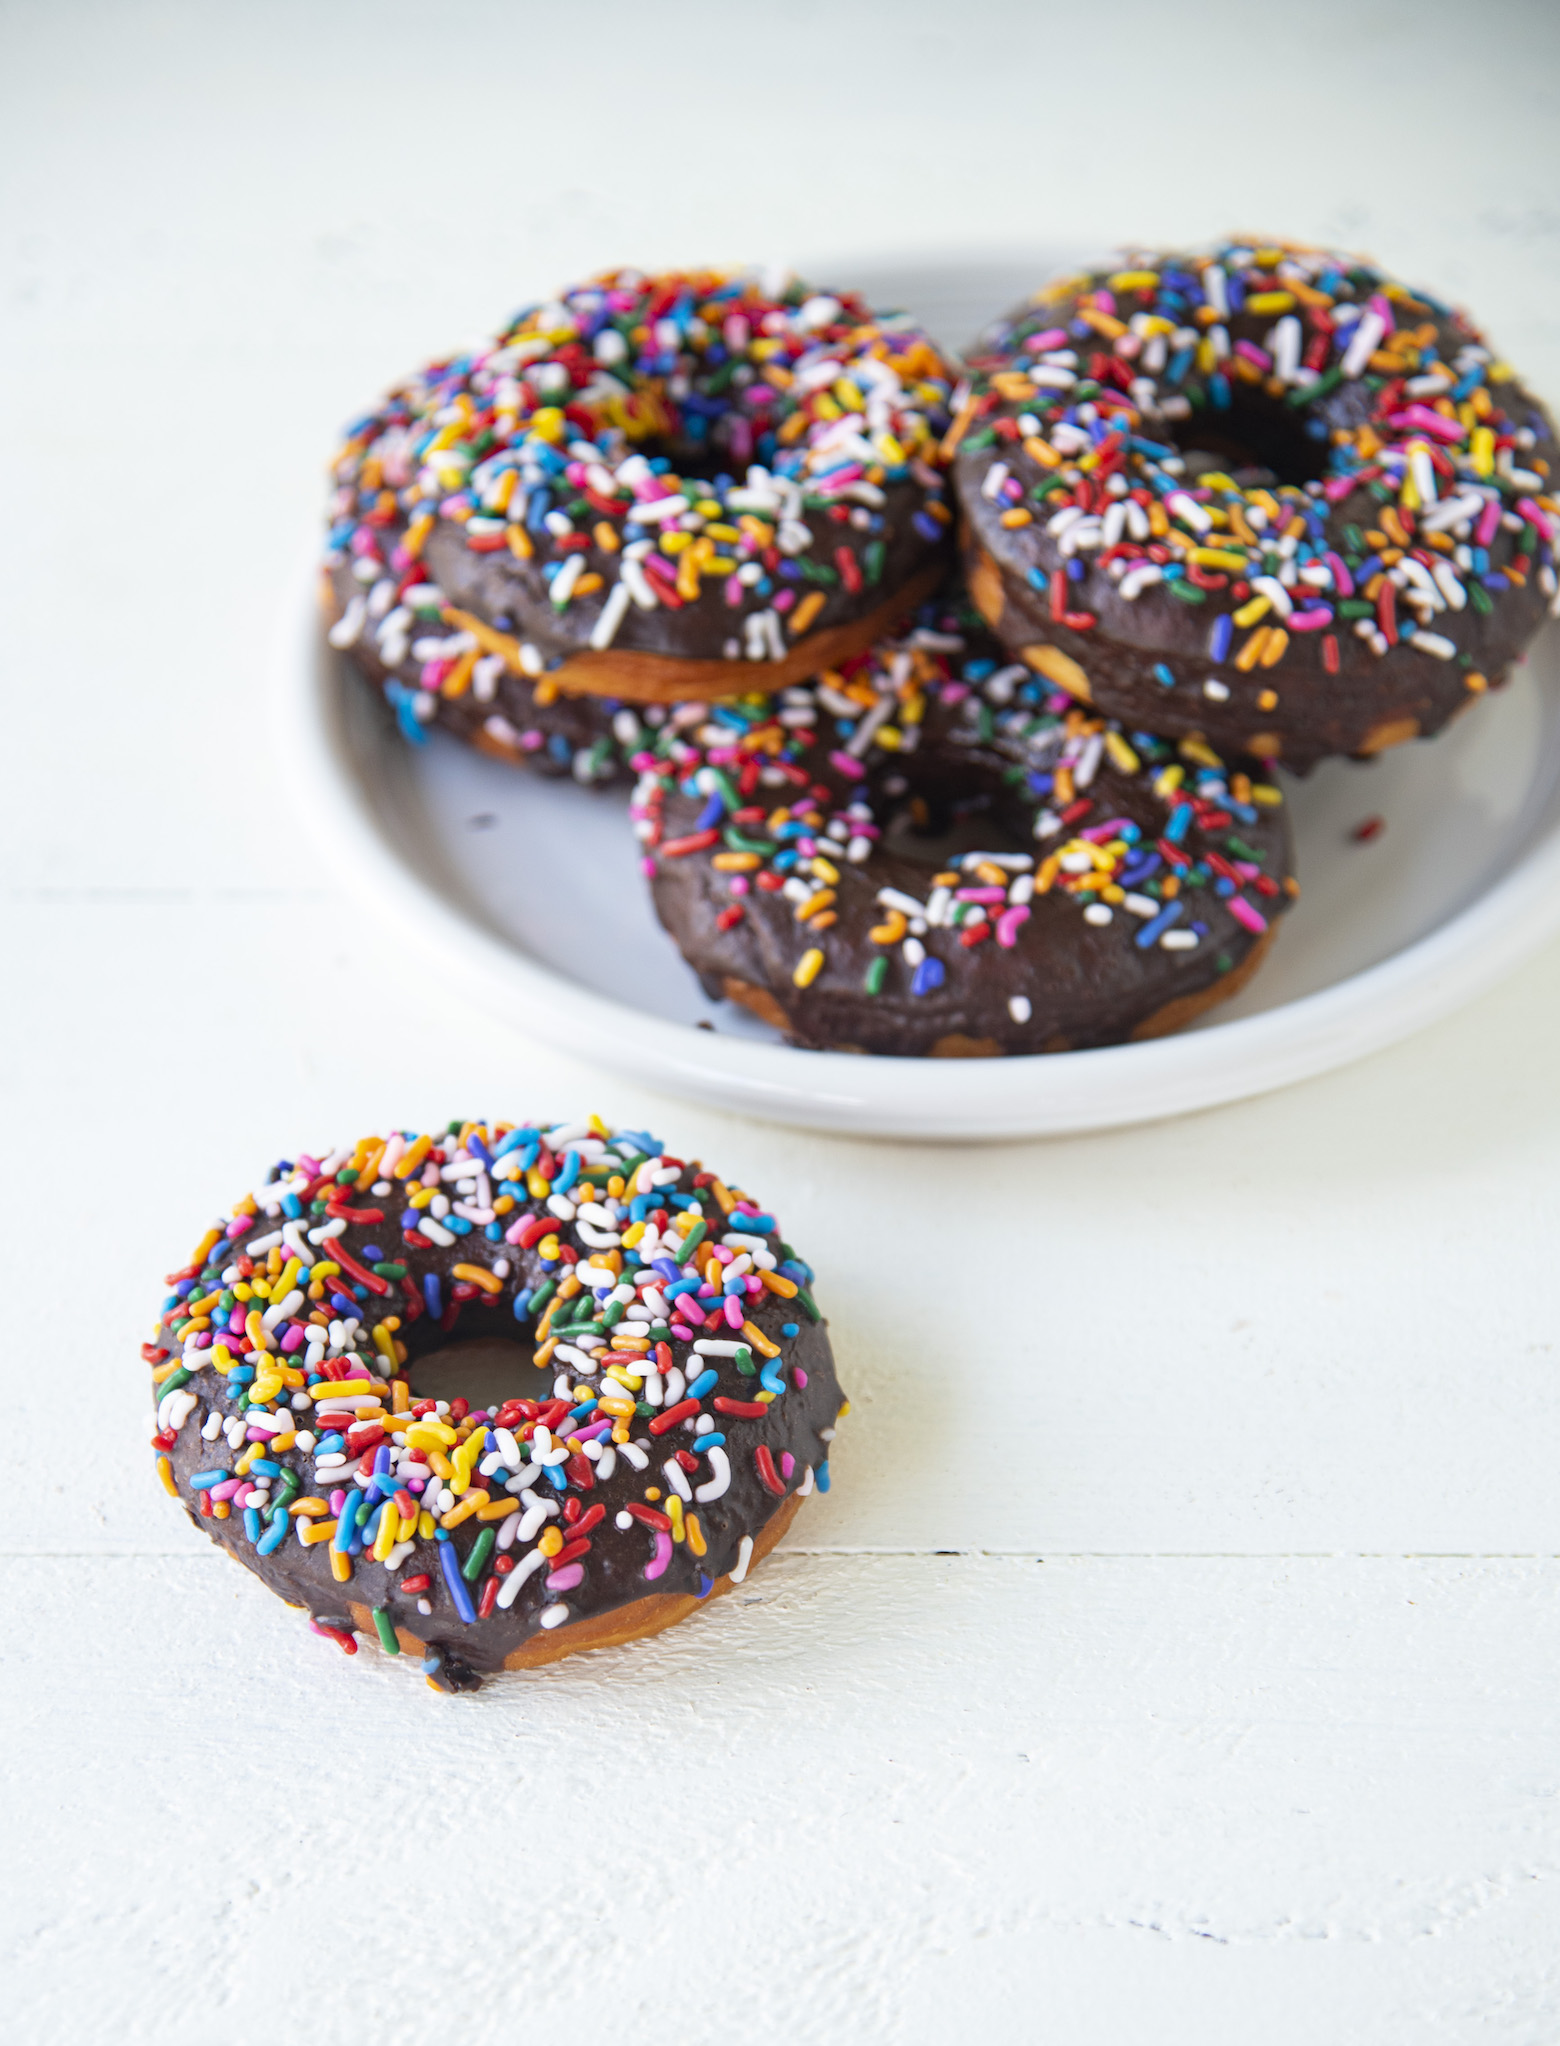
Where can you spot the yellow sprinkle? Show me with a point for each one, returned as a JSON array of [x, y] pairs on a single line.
[[1252, 651], [165, 1472], [1475, 681], [1017, 516], [1273, 652], [805, 612], [1248, 614], [479, 1275], [811, 906], [674, 1513], [808, 968], [1121, 753], [551, 1542], [1270, 302], [1218, 557], [696, 1540]]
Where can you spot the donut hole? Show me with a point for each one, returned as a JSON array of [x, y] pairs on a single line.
[[484, 1371], [937, 823], [1255, 441]]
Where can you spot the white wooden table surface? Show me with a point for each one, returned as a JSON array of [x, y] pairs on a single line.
[[1175, 1657]]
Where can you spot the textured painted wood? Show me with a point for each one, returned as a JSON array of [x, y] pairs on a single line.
[[1240, 1760], [896, 1797]]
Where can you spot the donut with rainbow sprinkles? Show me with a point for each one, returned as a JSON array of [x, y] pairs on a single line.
[[1265, 494], [665, 1396], [651, 488]]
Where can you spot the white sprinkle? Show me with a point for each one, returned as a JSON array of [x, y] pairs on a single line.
[[604, 631], [1433, 643], [1363, 346], [744, 1558], [348, 628], [1178, 941], [1216, 691], [1097, 913], [1019, 1008]]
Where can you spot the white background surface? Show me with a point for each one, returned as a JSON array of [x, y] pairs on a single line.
[[1231, 1713]]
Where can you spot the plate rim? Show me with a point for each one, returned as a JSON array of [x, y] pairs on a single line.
[[955, 1100]]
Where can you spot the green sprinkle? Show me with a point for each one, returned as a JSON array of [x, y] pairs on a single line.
[[384, 1627], [1355, 607], [172, 1383], [744, 1362], [692, 1240], [872, 558], [877, 973], [543, 1293], [982, 439], [809, 1304], [737, 841], [481, 1549], [1480, 598], [1187, 592], [390, 1271]]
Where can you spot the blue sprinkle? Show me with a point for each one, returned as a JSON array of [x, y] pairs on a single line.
[[478, 1149], [702, 1386], [821, 1476], [329, 1444], [493, 1233], [264, 1465], [343, 1303], [275, 1534], [402, 701], [291, 1205], [790, 1328], [708, 1442], [712, 812], [371, 1253], [928, 529], [1037, 579], [928, 974], [707, 1584], [1163, 676], [570, 1173], [1219, 639], [453, 1578], [1180, 823], [522, 1304], [252, 1525], [346, 1525], [769, 1378], [1075, 568], [1156, 927], [456, 1224], [1224, 886]]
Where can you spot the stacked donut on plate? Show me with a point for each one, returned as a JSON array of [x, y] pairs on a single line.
[[1216, 512]]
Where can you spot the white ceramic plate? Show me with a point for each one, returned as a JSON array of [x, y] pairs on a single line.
[[527, 892]]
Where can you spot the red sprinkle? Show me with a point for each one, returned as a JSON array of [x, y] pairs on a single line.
[[1367, 829], [768, 1476], [746, 1410], [648, 1515], [672, 1415]]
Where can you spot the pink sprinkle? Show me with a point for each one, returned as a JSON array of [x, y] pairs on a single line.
[[782, 601], [683, 1333], [981, 894], [1041, 344], [735, 1312], [851, 768], [565, 1579], [338, 1499], [663, 1554], [1310, 621], [740, 884], [1489, 522], [1243, 913], [1541, 519], [1341, 575], [787, 1465], [1009, 923], [799, 1378]]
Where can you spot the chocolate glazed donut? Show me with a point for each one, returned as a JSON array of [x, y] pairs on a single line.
[[1118, 884], [684, 1406], [651, 489], [1265, 494]]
